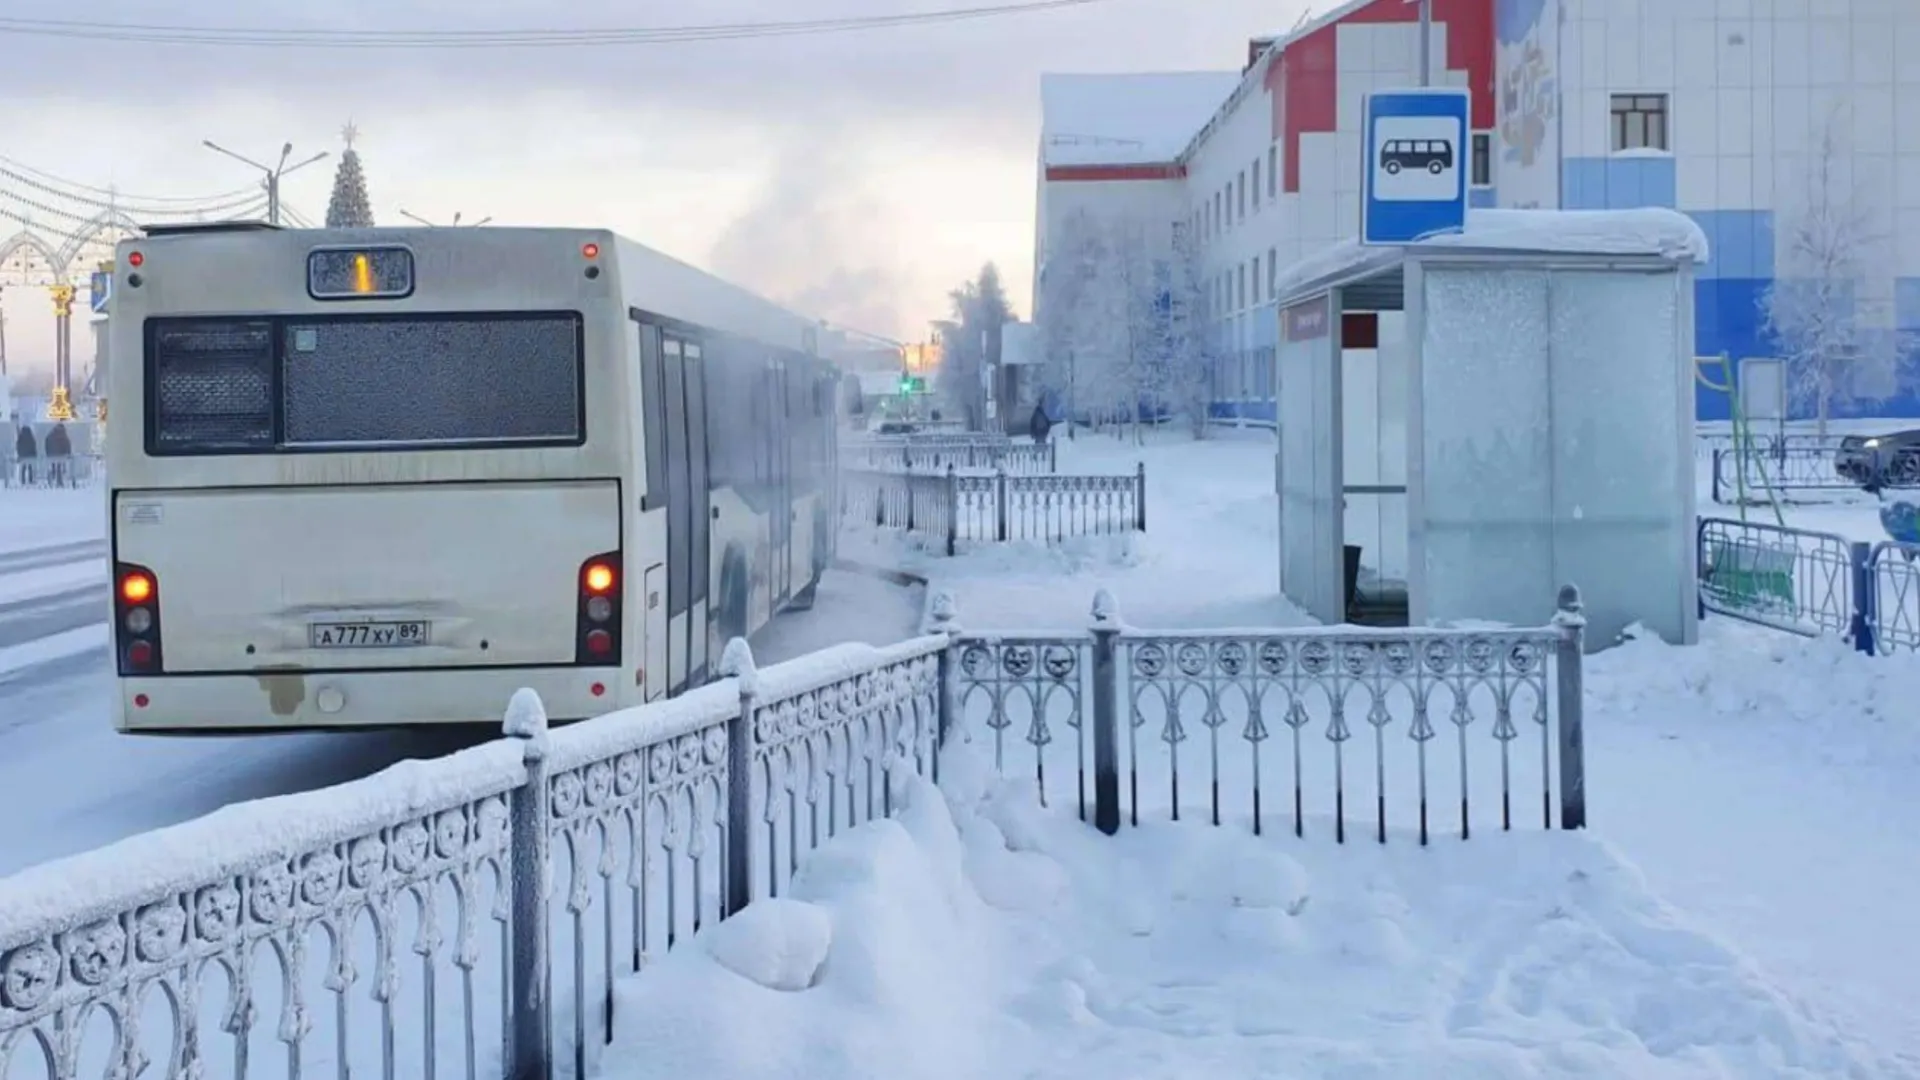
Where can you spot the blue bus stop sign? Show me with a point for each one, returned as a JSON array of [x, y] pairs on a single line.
[[1415, 174], [102, 290]]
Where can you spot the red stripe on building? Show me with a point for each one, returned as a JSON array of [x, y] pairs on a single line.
[[1089, 173], [1305, 80]]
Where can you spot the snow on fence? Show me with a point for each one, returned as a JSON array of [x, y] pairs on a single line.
[[1205, 709], [955, 507], [1811, 583], [1024, 458], [467, 913]]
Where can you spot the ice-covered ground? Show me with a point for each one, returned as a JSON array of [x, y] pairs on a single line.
[[978, 936]]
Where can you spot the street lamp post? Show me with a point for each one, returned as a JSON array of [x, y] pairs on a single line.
[[273, 174]]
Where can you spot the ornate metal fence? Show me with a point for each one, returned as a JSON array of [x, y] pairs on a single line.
[[915, 455], [1412, 720], [953, 507], [212, 948], [1811, 583]]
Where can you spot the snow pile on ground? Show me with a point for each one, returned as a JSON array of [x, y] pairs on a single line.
[[978, 937], [1766, 784]]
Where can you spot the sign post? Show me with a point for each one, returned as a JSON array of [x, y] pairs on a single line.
[[1415, 173]]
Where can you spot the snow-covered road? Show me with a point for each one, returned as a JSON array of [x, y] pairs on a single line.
[[72, 783]]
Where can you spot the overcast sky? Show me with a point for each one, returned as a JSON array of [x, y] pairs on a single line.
[[858, 176]]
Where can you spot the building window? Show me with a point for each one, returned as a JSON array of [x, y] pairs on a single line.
[[1240, 290], [1273, 274], [1240, 194], [1640, 122], [1273, 167], [1482, 159], [1217, 224], [1256, 185]]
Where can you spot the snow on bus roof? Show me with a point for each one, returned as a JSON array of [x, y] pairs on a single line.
[[1650, 231], [1126, 119]]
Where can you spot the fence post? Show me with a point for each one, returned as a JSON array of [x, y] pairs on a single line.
[[1053, 456], [1571, 621], [942, 618], [736, 662], [953, 511], [1000, 505], [1140, 498], [1700, 568], [529, 1034], [1716, 476], [1866, 596], [1106, 718]]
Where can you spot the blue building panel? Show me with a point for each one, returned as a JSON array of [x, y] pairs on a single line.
[[1906, 303], [1739, 243], [1618, 183], [1482, 199]]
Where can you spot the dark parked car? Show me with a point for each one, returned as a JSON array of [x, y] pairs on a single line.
[[1877, 461]]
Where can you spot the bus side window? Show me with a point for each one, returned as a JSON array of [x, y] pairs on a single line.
[[698, 479], [679, 501], [653, 415]]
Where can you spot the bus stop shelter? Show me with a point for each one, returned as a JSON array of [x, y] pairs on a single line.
[[1468, 422]]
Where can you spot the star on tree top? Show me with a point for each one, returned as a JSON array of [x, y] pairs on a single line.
[[349, 133]]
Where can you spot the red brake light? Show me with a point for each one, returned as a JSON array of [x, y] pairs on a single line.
[[135, 259], [588, 250], [599, 643], [140, 653]]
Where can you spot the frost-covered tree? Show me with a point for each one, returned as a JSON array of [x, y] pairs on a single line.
[[972, 342], [1836, 336], [1193, 345], [349, 208], [1122, 323]]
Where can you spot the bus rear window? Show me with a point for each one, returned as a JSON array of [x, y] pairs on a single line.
[[364, 382]]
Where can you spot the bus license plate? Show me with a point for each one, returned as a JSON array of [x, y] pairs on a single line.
[[369, 635]]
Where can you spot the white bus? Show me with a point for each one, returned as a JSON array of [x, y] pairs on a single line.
[[385, 477]]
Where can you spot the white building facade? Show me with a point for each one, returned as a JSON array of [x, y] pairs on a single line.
[[1762, 119]]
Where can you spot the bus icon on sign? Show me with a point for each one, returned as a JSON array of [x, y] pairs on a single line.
[[1433, 155]]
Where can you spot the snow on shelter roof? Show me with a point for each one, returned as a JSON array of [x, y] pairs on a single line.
[[1126, 119], [1653, 231]]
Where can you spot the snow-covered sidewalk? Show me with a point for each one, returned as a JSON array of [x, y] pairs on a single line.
[[1765, 785], [977, 937]]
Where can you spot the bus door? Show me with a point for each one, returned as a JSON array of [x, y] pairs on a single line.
[[683, 395]]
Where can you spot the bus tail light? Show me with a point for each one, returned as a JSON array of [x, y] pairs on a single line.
[[136, 619], [597, 626]]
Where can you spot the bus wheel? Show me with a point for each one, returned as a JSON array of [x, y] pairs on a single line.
[[734, 585]]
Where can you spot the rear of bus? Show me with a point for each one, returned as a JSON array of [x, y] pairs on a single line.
[[366, 477]]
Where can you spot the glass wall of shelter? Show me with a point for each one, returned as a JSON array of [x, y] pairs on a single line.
[[1461, 432]]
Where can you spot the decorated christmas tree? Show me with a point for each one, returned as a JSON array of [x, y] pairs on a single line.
[[349, 208]]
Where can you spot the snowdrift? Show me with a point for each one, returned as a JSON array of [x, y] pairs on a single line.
[[978, 937]]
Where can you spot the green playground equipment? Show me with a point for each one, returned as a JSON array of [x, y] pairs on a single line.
[[1757, 577]]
